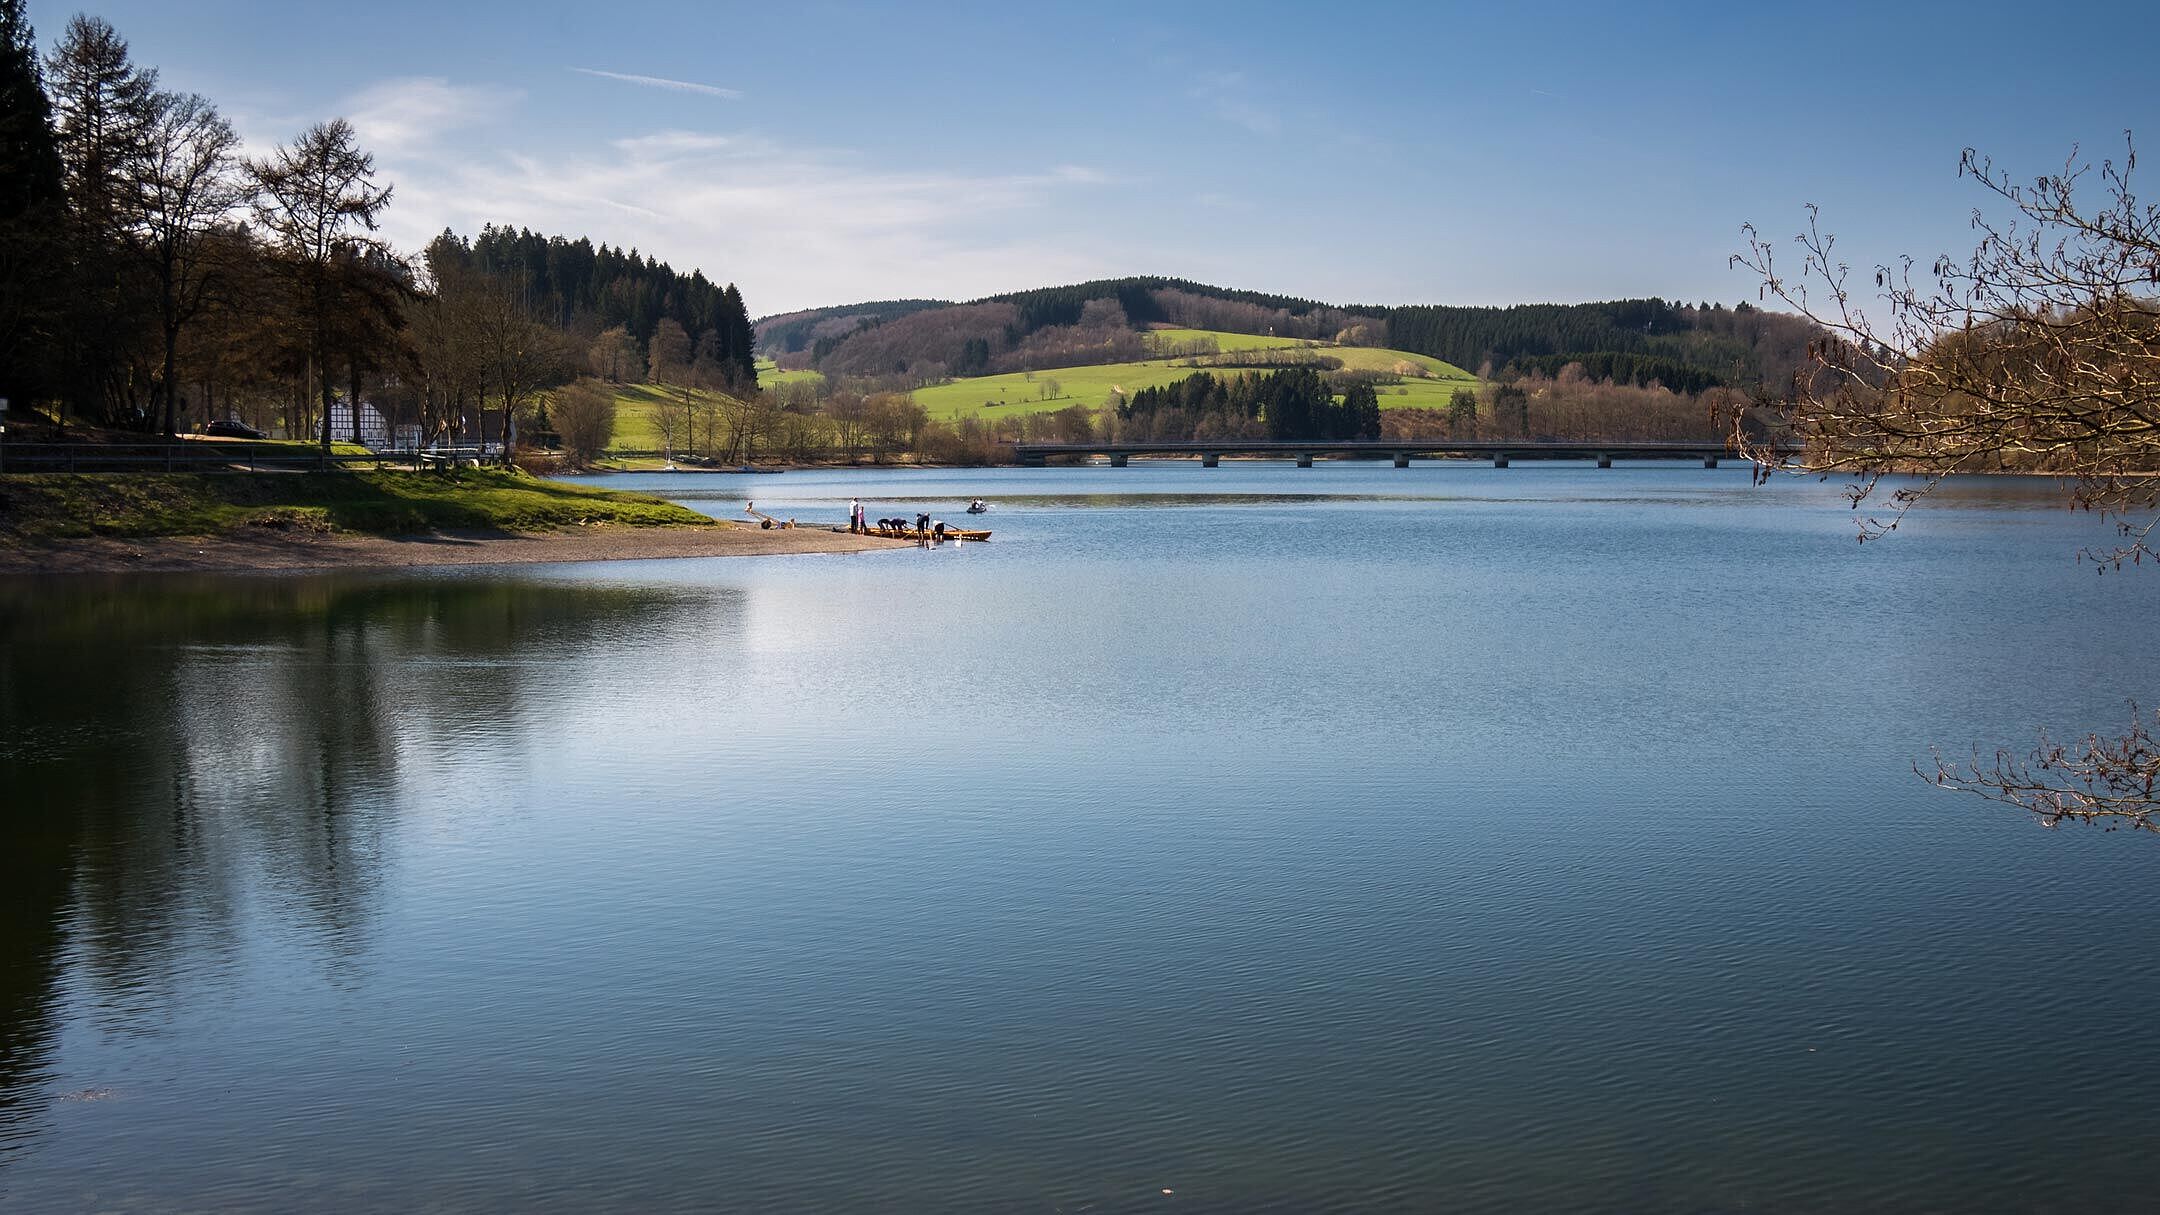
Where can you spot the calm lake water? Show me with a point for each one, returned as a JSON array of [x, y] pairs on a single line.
[[1227, 840]]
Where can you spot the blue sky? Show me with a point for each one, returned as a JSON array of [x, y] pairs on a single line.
[[819, 153]]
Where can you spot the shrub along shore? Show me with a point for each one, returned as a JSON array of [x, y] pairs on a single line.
[[93, 522]]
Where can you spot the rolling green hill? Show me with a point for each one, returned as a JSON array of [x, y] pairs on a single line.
[[1427, 382], [1683, 347]]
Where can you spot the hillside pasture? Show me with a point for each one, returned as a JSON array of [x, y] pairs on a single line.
[[1023, 393], [1171, 337], [634, 407], [1016, 393]]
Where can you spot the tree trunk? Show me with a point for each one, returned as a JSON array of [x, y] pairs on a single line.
[[352, 370], [319, 368], [172, 340]]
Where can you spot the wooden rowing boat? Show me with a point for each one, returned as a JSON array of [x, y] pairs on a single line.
[[909, 533]]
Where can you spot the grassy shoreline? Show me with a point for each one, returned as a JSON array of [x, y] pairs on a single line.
[[49, 507], [103, 523]]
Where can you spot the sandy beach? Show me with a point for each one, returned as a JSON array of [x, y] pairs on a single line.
[[265, 549]]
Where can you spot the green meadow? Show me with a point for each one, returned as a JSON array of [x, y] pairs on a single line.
[[1063, 387], [1227, 341], [1427, 383]]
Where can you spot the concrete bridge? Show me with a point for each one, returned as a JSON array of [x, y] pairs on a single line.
[[1500, 451]]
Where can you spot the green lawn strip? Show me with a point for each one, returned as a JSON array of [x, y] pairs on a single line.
[[1227, 341], [51, 506], [773, 378]]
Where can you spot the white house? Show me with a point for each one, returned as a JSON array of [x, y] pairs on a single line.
[[374, 428]]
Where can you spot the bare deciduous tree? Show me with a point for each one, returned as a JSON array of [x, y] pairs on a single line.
[[2109, 781], [519, 355], [613, 356], [2040, 352], [187, 189], [317, 197], [584, 415]]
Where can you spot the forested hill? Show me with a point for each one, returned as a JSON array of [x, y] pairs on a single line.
[[584, 288], [1684, 347], [1153, 300], [1044, 307], [789, 332]]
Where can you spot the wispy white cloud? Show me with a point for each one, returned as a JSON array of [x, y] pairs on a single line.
[[794, 226], [673, 143], [662, 82], [410, 114]]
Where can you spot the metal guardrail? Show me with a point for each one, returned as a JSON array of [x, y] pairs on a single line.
[[207, 458]]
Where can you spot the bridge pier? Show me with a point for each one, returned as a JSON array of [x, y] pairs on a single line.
[[1304, 459], [1709, 461], [1604, 461], [1499, 459], [1402, 459], [1117, 461], [1210, 460]]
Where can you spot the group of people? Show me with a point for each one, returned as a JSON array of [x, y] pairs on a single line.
[[926, 529]]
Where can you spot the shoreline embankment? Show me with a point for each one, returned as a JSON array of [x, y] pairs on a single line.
[[274, 551]]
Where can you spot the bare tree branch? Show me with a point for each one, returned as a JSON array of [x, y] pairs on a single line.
[[2038, 353]]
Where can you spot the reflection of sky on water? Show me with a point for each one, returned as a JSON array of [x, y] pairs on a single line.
[[1504, 840]]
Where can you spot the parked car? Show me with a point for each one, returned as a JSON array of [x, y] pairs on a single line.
[[233, 428]]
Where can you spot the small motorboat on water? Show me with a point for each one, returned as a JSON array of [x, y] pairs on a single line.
[[978, 507]]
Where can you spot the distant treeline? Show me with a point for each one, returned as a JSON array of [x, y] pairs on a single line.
[[1639, 342], [1296, 403], [1640, 370], [1145, 303], [579, 286]]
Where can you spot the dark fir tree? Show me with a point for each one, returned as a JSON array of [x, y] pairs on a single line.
[[587, 288], [30, 201], [103, 108], [1359, 414], [738, 341], [1462, 413]]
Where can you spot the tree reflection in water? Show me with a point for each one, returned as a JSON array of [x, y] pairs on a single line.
[[175, 751]]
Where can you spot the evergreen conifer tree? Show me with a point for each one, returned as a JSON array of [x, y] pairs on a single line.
[[30, 200]]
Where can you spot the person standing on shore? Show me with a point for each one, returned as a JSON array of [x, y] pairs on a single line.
[[854, 514]]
